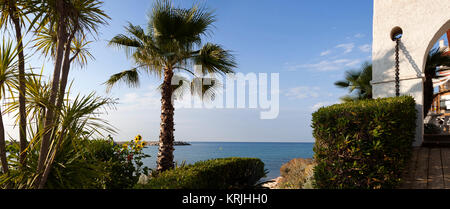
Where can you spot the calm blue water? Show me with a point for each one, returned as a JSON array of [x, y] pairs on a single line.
[[273, 154]]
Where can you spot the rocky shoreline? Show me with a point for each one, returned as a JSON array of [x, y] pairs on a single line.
[[295, 174], [273, 184]]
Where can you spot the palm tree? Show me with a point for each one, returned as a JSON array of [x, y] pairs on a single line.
[[8, 79], [169, 45], [435, 59], [357, 81], [15, 11], [53, 13], [80, 120], [46, 42], [69, 18]]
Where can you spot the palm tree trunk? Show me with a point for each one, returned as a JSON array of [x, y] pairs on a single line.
[[65, 72], [166, 138], [49, 119], [3, 146], [22, 111], [59, 101]]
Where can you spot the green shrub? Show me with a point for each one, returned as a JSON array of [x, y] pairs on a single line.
[[122, 164], [75, 167], [119, 173], [363, 144], [224, 173]]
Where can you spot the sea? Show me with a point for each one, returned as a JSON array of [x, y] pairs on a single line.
[[273, 154]]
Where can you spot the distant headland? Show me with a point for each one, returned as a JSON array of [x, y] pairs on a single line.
[[156, 143]]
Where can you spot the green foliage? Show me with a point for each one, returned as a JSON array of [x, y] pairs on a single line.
[[224, 173], [82, 164], [74, 168], [123, 163], [358, 83], [364, 144], [172, 41]]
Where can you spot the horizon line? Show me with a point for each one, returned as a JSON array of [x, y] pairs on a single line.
[[235, 141]]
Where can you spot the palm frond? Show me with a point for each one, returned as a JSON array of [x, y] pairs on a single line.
[[342, 84], [86, 15], [80, 50], [125, 42], [45, 41], [20, 9], [129, 77], [214, 59], [358, 83], [8, 68], [176, 28]]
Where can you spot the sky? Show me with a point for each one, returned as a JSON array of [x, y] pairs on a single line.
[[309, 43]]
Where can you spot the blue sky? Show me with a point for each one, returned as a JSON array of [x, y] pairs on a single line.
[[309, 43]]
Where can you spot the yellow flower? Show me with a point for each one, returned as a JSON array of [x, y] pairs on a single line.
[[137, 138], [125, 146]]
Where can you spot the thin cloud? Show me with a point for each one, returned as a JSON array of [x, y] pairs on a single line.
[[327, 52], [142, 99], [353, 63], [327, 65], [359, 35], [365, 48], [347, 47], [322, 104], [301, 92]]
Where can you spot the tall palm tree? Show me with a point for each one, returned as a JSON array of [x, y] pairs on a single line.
[[435, 59], [357, 81], [8, 79], [54, 14], [46, 42], [69, 18], [15, 11], [169, 45]]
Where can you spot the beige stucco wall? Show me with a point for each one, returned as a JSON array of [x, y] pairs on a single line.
[[423, 22]]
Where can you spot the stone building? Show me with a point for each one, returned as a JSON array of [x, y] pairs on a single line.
[[420, 23]]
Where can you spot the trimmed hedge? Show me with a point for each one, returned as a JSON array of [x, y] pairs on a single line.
[[364, 144], [223, 173]]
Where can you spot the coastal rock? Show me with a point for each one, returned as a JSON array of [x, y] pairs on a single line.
[[156, 143], [274, 183], [297, 174]]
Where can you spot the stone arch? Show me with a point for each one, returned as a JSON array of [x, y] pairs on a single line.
[[439, 33], [422, 24]]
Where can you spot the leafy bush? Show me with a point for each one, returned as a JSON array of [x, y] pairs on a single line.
[[363, 144], [74, 168], [224, 173], [123, 164], [296, 173], [83, 164], [69, 162]]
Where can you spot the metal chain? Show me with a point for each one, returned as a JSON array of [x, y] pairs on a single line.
[[397, 68]]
